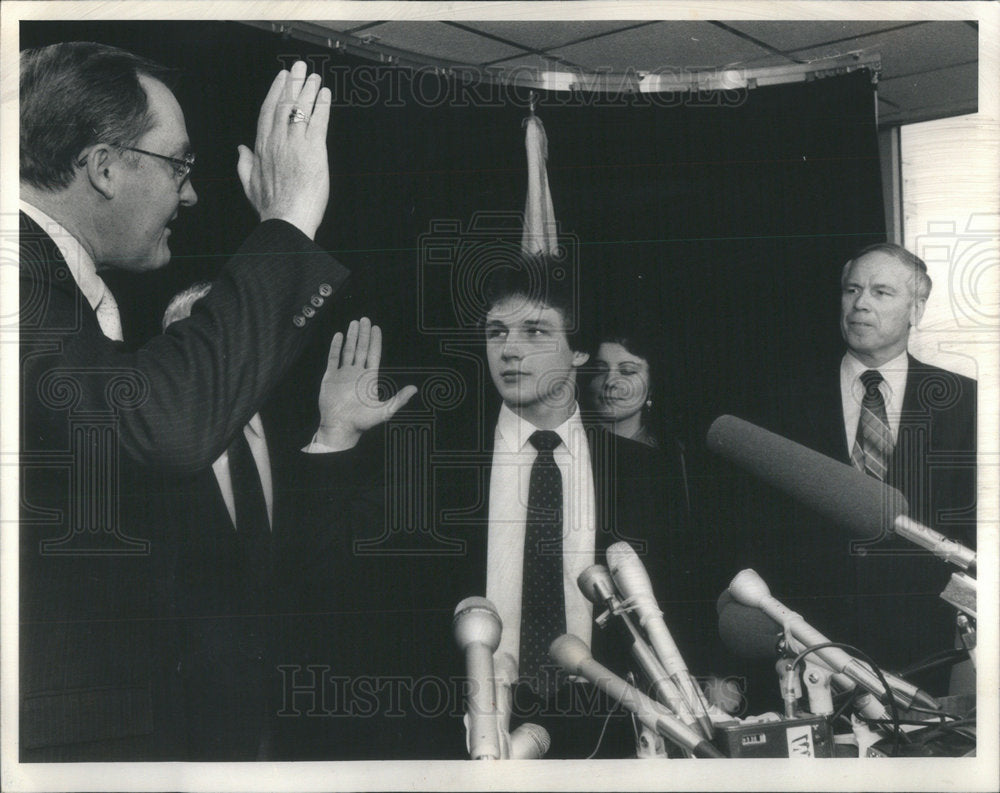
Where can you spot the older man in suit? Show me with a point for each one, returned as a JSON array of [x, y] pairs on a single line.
[[899, 420], [105, 167]]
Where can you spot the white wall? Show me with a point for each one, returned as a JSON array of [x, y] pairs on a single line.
[[951, 217]]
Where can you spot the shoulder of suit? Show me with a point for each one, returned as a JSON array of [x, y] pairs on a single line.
[[921, 369]]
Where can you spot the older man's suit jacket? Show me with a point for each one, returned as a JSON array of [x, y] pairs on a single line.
[[96, 588], [386, 679], [881, 596]]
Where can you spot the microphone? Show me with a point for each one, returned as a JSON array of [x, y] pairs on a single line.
[[750, 634], [477, 629], [861, 504], [505, 668], [527, 742], [749, 589], [574, 657], [633, 582], [596, 584]]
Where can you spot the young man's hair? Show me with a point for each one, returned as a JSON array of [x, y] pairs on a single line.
[[547, 281], [923, 284], [74, 95]]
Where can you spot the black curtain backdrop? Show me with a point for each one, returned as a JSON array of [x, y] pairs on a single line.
[[719, 220], [722, 219]]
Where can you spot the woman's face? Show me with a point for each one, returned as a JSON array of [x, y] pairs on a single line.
[[621, 386]]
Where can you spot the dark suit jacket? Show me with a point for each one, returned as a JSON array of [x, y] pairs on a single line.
[[881, 596], [386, 680], [233, 619], [221, 617], [98, 679]]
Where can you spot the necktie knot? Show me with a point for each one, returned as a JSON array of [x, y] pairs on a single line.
[[871, 380], [545, 440]]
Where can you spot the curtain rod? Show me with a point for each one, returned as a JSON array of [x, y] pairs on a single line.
[[667, 80]]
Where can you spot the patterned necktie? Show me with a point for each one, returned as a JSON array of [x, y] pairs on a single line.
[[108, 316], [251, 509], [873, 441], [543, 601]]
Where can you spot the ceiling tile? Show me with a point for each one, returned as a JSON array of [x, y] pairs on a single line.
[[914, 49], [666, 45], [932, 95], [544, 35], [789, 35], [440, 41], [345, 25]]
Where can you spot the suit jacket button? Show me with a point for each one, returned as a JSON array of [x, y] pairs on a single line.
[[308, 311], [299, 320], [325, 290], [316, 300]]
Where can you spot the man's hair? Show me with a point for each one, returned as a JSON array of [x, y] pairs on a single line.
[[542, 279], [182, 303], [74, 95], [922, 287]]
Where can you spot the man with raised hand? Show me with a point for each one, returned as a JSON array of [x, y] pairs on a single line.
[[105, 167]]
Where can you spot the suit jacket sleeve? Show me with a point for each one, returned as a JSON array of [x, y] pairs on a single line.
[[179, 398]]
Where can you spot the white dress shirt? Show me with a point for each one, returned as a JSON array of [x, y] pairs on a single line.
[[83, 270], [852, 391], [513, 457], [253, 431]]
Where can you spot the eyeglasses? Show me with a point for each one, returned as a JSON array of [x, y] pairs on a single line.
[[182, 167]]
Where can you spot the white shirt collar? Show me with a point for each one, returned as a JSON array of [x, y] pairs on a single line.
[[513, 431], [893, 374], [256, 426], [80, 265]]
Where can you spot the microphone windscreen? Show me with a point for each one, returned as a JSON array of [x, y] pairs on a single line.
[[748, 632], [839, 492], [529, 742]]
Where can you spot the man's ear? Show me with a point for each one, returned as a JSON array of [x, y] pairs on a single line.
[[101, 165], [917, 311], [580, 358]]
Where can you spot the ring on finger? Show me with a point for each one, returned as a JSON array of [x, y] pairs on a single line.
[[296, 116]]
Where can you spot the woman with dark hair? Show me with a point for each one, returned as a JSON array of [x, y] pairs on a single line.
[[627, 394], [621, 390]]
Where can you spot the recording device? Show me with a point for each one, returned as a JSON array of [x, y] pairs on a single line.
[[633, 582], [863, 505], [749, 589], [477, 629], [573, 655]]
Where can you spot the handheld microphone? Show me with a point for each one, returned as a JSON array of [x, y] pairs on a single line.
[[527, 742], [573, 655], [477, 629], [633, 582], [749, 589], [597, 586], [863, 505]]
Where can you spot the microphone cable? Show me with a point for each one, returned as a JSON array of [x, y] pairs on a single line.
[[897, 733], [952, 657], [630, 678]]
